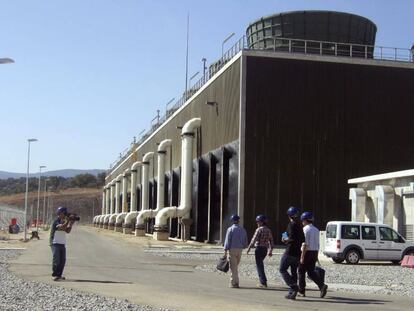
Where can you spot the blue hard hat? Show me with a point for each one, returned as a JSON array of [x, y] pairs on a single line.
[[235, 217], [261, 218], [307, 216], [293, 211], [61, 210]]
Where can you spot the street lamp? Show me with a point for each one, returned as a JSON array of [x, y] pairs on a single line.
[[204, 66], [225, 40], [6, 61], [44, 203], [38, 197], [27, 187]]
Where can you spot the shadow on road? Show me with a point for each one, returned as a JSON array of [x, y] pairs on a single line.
[[344, 300], [264, 289], [386, 264], [96, 281]]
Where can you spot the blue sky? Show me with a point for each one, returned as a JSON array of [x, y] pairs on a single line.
[[90, 74]]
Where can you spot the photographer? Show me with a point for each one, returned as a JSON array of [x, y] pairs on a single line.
[[60, 227]]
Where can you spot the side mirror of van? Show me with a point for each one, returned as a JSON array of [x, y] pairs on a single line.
[[400, 239]]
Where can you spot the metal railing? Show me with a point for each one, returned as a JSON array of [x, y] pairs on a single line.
[[332, 48], [275, 44]]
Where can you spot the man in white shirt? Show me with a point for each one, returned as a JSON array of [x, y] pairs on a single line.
[[309, 255], [60, 227]]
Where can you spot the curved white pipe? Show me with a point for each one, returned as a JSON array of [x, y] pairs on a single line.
[[144, 185], [145, 214], [107, 205], [112, 219], [130, 217], [103, 201], [111, 205], [121, 217], [183, 210]]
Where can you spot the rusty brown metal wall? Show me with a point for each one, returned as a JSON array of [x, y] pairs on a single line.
[[218, 126], [312, 125]]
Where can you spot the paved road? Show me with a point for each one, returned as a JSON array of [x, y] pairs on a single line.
[[107, 264]]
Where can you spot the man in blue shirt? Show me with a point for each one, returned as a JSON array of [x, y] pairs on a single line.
[[235, 242]]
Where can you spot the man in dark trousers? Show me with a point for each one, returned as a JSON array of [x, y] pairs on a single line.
[[293, 238], [309, 255], [263, 242], [60, 227], [235, 242]]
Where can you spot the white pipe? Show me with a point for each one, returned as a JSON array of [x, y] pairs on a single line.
[[107, 205], [108, 199], [111, 210], [132, 215], [145, 180], [112, 219], [145, 214], [183, 210], [145, 185], [111, 205], [121, 217], [103, 201]]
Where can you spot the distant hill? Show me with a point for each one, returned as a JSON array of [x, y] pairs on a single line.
[[63, 173]]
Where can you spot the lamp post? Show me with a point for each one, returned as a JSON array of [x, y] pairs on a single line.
[[225, 40], [204, 60], [38, 197], [44, 204], [27, 187], [6, 61]]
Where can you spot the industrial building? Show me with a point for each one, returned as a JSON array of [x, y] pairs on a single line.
[[302, 103], [386, 199]]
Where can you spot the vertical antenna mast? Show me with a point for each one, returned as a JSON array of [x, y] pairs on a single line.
[[186, 56]]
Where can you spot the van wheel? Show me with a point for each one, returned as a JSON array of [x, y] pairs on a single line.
[[352, 257], [337, 260]]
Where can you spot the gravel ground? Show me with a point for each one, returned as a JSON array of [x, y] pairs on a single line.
[[370, 278], [19, 295]]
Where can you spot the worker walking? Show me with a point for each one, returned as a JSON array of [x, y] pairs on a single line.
[[263, 241], [234, 243], [293, 238], [309, 255]]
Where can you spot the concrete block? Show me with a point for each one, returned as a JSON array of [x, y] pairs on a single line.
[[161, 236], [127, 230], [139, 232]]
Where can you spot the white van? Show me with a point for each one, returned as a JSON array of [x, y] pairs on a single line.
[[352, 241]]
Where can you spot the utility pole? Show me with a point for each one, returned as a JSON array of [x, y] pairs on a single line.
[[44, 204], [204, 67], [186, 56]]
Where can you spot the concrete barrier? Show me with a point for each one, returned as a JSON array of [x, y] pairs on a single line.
[[408, 261]]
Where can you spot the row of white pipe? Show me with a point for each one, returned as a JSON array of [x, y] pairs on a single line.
[[114, 218]]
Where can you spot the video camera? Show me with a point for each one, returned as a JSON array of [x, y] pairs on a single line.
[[73, 217]]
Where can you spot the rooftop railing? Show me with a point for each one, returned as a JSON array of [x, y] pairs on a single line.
[[275, 44]]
